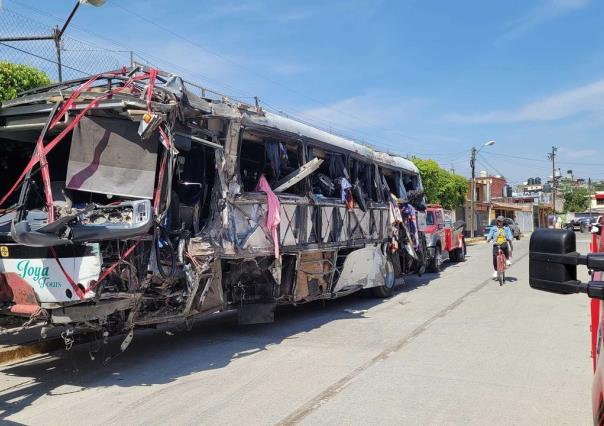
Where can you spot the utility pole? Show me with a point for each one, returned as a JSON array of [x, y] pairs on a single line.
[[473, 200], [552, 156], [589, 196]]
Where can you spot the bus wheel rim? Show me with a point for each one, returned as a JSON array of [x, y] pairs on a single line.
[[389, 276]]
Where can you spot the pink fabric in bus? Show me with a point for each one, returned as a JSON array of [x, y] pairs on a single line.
[[273, 218]]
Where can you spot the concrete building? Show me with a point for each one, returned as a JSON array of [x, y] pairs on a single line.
[[529, 208], [597, 202]]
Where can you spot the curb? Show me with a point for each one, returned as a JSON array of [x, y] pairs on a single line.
[[475, 240], [19, 352]]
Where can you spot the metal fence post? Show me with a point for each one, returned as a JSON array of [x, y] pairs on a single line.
[[57, 40]]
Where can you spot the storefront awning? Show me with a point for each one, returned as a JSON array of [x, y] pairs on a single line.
[[507, 206]]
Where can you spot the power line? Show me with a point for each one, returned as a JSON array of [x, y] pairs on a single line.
[[395, 144], [577, 163], [253, 71], [489, 164], [348, 133], [237, 92], [383, 144], [246, 68], [484, 165]]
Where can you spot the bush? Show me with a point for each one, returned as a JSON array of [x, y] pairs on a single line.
[[17, 78], [576, 200], [440, 185]]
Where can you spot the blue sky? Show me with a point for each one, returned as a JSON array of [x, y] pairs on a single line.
[[431, 78]]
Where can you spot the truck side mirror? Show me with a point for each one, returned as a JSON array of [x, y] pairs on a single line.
[[551, 264]]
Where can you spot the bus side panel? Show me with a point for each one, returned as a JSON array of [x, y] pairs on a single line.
[[364, 268]]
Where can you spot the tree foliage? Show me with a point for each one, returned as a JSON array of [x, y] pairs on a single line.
[[598, 186], [576, 200], [441, 186], [16, 78]]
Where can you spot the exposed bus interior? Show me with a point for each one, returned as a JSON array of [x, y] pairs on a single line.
[[161, 194], [271, 157]]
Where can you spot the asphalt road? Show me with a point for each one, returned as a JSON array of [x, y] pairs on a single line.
[[448, 349]]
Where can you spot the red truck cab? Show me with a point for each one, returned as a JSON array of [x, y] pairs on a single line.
[[443, 239]]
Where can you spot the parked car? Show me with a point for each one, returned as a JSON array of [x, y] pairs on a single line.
[[582, 224], [509, 222], [579, 224]]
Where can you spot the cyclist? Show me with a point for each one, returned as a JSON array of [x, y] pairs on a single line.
[[501, 235]]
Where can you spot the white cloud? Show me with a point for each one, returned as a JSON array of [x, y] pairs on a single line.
[[372, 109], [217, 72], [222, 9], [264, 10], [584, 99], [299, 15], [545, 11], [578, 153], [289, 68]]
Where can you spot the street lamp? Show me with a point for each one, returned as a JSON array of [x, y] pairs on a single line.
[[57, 33], [473, 200]]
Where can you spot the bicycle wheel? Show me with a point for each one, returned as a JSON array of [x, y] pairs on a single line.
[[500, 267]]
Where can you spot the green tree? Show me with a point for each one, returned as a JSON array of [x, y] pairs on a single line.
[[576, 200], [16, 78], [597, 186], [440, 185]]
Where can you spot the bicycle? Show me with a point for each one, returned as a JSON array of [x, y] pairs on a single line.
[[500, 265]]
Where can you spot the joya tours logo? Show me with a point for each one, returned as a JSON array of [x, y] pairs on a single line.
[[37, 274]]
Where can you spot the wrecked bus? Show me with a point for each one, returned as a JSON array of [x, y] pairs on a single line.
[[128, 200]]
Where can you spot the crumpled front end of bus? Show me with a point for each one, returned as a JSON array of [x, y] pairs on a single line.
[[105, 182]]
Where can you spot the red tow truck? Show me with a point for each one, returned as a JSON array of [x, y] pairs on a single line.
[[443, 239]]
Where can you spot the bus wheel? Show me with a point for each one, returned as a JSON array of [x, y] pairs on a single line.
[[387, 289]]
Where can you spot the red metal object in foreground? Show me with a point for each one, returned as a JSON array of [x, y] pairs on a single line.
[[595, 307], [16, 290], [595, 318]]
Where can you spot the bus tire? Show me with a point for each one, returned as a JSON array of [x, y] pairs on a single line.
[[387, 289]]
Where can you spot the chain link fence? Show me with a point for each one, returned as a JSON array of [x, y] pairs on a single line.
[[76, 58]]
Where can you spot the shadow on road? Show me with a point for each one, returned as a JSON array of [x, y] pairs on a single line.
[[162, 356], [510, 280]]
